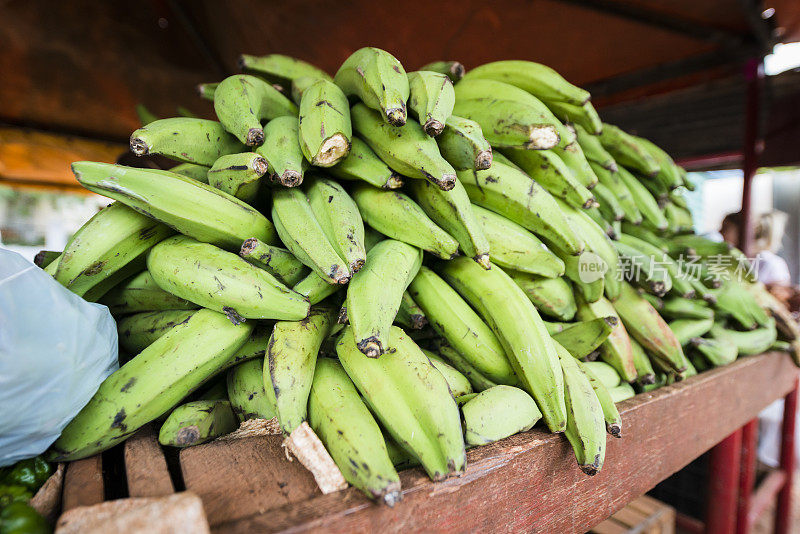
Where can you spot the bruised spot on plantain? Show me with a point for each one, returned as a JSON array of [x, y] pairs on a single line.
[[233, 315], [118, 420], [187, 435], [95, 268], [147, 233], [128, 384]]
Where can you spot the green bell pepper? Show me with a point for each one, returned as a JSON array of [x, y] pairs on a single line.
[[19, 518], [31, 473], [9, 494]]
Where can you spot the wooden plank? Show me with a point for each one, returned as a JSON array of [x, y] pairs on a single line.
[[646, 505], [468, 35], [527, 481], [83, 483], [630, 516], [45, 158], [242, 477], [610, 526], [145, 466]]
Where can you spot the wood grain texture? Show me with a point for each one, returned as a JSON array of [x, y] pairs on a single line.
[[239, 478], [44, 158], [83, 483], [145, 466], [530, 482], [82, 66], [575, 41]]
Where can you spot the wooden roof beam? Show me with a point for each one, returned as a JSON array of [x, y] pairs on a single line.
[[666, 71], [663, 21]]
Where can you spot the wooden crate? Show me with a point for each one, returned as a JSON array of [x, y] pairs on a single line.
[[644, 515], [528, 482]]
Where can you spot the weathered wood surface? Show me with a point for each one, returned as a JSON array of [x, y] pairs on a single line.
[[145, 466], [644, 515], [242, 477], [83, 483], [38, 159], [528, 482], [82, 66]]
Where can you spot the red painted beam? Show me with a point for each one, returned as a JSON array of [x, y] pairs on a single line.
[[699, 163]]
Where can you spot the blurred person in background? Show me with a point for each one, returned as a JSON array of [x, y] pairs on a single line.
[[773, 271]]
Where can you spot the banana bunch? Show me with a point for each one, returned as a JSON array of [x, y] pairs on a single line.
[[412, 400], [496, 413], [375, 293], [498, 257], [242, 102], [113, 238], [289, 365], [345, 425], [520, 329], [197, 422], [246, 392], [144, 388], [458, 383]]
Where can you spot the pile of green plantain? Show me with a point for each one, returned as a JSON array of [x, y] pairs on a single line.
[[373, 254]]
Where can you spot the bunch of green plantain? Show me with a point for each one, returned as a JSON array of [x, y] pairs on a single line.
[[412, 263]]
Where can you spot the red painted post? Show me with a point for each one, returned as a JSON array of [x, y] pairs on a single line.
[[747, 475], [783, 514], [723, 471], [753, 74]]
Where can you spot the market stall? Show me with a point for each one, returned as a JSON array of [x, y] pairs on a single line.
[[355, 296], [494, 493]]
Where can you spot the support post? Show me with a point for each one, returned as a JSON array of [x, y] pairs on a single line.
[[746, 475], [753, 74], [723, 471], [783, 514]]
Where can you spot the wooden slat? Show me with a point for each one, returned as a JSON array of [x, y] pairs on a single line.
[[646, 505], [43, 158], [145, 466], [765, 494], [527, 481], [629, 516], [610, 526], [689, 524], [242, 477], [83, 483]]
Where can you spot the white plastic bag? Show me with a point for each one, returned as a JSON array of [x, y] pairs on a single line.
[[55, 350]]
